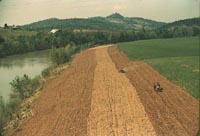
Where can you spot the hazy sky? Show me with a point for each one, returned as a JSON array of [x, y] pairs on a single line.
[[26, 11]]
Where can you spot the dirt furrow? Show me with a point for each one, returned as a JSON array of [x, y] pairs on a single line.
[[116, 109], [64, 105], [172, 112], [93, 98]]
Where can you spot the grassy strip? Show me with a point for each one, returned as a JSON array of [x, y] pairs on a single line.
[[183, 71], [177, 59], [159, 48]]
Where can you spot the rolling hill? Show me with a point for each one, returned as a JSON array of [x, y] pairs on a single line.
[[111, 22], [185, 22], [186, 27]]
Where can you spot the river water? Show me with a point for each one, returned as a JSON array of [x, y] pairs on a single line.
[[30, 63]]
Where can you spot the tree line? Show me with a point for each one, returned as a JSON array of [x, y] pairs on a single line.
[[44, 40]]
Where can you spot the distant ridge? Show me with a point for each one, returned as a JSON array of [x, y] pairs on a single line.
[[113, 22], [116, 15], [186, 22]]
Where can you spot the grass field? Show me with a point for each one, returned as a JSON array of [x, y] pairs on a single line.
[[177, 59]]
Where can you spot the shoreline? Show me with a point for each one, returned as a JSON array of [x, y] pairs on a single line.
[[25, 112]]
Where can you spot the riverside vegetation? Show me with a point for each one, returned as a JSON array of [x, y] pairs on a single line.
[[24, 87]]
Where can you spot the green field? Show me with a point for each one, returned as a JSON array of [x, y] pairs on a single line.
[[177, 59]]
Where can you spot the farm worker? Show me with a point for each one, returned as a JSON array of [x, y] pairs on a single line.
[[158, 86]]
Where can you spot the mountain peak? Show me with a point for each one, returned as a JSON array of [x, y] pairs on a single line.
[[115, 15]]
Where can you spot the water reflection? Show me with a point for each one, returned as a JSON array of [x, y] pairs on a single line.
[[30, 63]]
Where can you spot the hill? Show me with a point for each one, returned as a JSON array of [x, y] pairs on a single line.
[[186, 27], [117, 22], [111, 22], [185, 22], [116, 15]]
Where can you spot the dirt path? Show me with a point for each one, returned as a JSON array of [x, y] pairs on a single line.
[[116, 109], [172, 112]]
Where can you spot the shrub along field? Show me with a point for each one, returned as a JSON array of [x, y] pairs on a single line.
[[177, 59]]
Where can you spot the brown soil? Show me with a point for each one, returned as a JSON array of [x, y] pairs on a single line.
[[172, 112], [91, 97], [64, 105], [116, 109]]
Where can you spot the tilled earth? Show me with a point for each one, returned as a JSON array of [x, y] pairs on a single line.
[[93, 98], [172, 112], [64, 105], [116, 109]]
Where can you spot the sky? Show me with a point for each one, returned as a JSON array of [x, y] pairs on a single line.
[[21, 12]]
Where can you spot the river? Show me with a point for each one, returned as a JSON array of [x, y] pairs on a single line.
[[29, 63]]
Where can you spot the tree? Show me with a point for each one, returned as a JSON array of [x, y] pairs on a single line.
[[5, 26], [22, 86]]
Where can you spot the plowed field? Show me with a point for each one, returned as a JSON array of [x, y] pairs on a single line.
[[64, 105], [92, 98], [116, 109], [172, 112]]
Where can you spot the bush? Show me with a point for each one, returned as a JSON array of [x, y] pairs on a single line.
[[21, 86], [46, 72], [3, 115], [35, 83], [59, 57], [2, 125], [12, 105], [15, 125], [63, 55], [24, 86]]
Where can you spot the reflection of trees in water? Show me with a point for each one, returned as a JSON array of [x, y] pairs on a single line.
[[12, 63], [40, 57], [6, 65]]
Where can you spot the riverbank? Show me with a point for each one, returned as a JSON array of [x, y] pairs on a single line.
[[60, 58], [92, 97], [30, 64], [25, 109]]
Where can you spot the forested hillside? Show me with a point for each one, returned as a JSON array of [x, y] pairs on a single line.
[[93, 31], [187, 27], [112, 22]]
